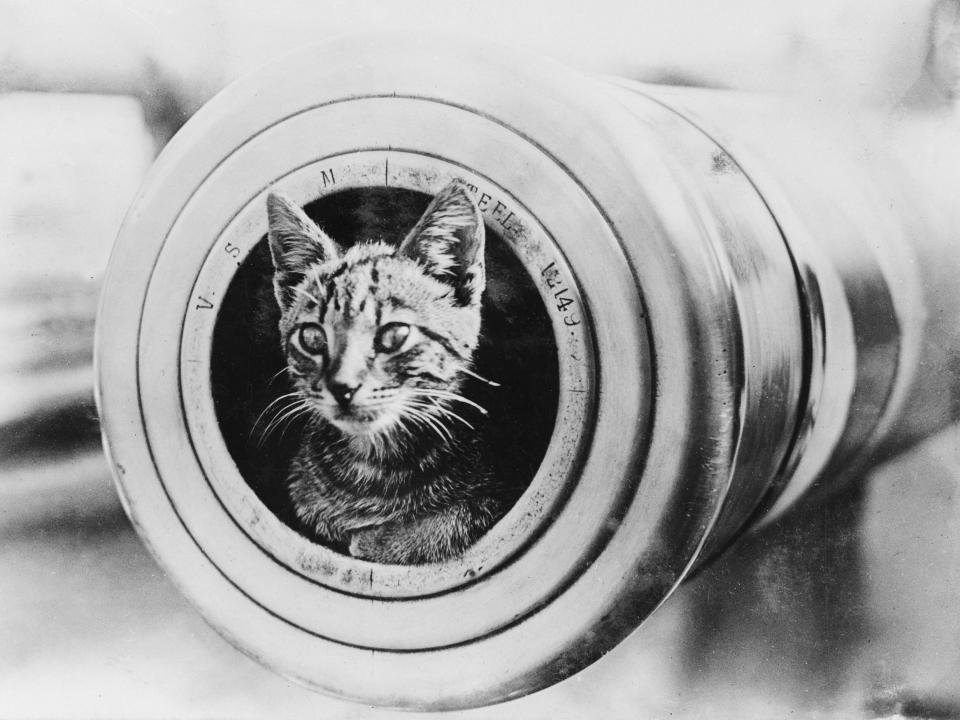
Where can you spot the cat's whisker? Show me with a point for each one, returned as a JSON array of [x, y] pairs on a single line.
[[428, 421], [442, 429], [402, 425], [450, 413], [277, 374], [481, 378], [286, 415], [434, 405], [292, 415], [288, 421], [275, 401], [278, 399], [448, 395], [415, 415], [456, 417], [271, 426], [307, 295], [411, 426]]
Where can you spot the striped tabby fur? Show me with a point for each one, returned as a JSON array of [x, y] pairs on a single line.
[[378, 341]]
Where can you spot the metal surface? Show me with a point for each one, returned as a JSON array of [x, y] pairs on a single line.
[[733, 333]]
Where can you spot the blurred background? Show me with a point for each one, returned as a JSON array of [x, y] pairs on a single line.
[[848, 609]]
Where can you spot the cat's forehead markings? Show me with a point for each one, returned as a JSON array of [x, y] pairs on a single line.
[[365, 305], [363, 295], [352, 294], [338, 271]]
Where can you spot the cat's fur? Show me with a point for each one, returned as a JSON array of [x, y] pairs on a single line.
[[378, 340]]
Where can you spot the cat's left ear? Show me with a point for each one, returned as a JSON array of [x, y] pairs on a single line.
[[448, 242], [296, 244]]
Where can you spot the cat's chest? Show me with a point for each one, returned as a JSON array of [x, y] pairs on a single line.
[[353, 493]]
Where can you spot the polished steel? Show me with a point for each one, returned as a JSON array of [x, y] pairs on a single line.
[[748, 322]]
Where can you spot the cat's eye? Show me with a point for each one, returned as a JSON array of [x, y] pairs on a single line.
[[312, 338], [391, 337]]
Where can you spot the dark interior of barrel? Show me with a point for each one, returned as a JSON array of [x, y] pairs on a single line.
[[517, 350]]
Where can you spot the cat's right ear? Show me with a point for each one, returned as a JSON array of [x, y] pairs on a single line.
[[296, 244]]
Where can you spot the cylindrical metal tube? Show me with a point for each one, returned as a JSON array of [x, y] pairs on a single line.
[[729, 309], [864, 204]]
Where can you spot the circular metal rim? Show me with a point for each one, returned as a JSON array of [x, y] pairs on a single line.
[[521, 524], [605, 598], [148, 347], [508, 595], [761, 269]]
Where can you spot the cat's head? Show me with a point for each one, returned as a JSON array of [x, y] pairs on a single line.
[[377, 337]]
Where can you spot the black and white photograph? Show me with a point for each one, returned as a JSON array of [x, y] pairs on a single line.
[[489, 361]]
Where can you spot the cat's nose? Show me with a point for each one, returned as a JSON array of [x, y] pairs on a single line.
[[343, 393]]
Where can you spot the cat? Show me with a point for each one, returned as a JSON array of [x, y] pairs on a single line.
[[378, 341]]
